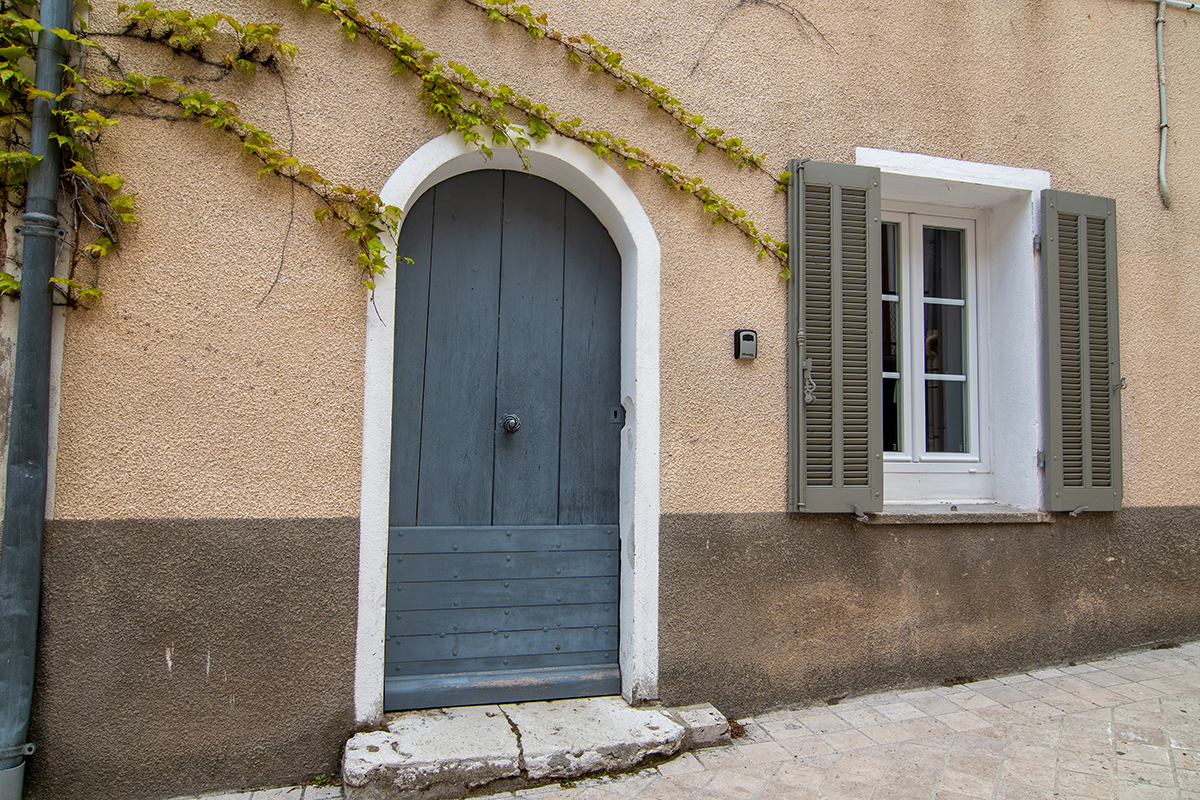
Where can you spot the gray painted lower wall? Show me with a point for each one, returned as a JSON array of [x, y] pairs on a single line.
[[765, 610], [185, 655]]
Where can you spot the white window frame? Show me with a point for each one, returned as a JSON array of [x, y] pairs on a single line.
[[1005, 204], [913, 457]]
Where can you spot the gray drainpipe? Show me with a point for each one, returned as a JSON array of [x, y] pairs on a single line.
[[25, 497]]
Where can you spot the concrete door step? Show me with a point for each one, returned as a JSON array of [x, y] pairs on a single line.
[[458, 752]]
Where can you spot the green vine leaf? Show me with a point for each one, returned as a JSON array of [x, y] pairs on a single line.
[[9, 285]]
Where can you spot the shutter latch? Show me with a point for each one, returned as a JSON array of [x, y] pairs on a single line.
[[1079, 511], [859, 515], [810, 386], [1119, 385]]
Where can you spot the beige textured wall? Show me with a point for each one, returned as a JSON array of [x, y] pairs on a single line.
[[183, 397]]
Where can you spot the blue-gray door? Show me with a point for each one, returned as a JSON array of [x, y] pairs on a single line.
[[503, 542]]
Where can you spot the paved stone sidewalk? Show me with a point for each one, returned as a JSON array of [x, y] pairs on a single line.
[[1125, 728]]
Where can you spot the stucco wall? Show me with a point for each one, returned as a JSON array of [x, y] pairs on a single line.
[[183, 656], [183, 396], [765, 610]]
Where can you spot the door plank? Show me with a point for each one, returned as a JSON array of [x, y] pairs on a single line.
[[500, 643], [412, 307], [487, 539], [489, 594], [591, 382], [458, 431], [517, 662], [425, 568], [513, 618], [529, 369], [501, 686]]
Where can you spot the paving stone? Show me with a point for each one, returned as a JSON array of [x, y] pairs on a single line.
[[805, 746], [322, 793], [963, 721], [900, 711], [967, 784], [847, 740], [1140, 772], [680, 766], [765, 753], [826, 723], [1035, 774], [1086, 784]]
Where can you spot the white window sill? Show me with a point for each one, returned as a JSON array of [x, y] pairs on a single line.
[[955, 513]]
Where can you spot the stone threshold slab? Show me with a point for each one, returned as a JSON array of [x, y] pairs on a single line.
[[457, 752]]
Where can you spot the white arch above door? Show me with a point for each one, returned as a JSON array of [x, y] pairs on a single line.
[[578, 170]]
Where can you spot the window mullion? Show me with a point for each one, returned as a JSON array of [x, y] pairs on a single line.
[[915, 277]]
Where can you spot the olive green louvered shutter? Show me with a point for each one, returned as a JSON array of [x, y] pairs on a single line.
[[835, 381], [1082, 369]]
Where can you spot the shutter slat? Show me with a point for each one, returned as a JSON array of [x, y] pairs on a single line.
[[836, 439], [1082, 368]]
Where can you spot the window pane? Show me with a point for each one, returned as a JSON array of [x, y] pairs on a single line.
[[891, 416], [945, 416], [944, 339], [891, 336], [891, 258], [944, 262]]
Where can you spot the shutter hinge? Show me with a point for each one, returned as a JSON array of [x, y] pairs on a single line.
[[1041, 459], [1037, 244], [800, 337]]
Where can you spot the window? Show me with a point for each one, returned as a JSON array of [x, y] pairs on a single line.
[[930, 374], [936, 357]]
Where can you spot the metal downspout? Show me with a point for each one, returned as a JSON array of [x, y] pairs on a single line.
[[1162, 109], [25, 496]]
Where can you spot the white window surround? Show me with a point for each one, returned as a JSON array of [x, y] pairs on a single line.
[[597, 185], [1006, 203]]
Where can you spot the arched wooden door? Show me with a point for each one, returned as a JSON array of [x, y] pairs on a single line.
[[503, 541]]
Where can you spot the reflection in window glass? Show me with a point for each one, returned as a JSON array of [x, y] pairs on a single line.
[[944, 339], [944, 262], [892, 333], [945, 342], [945, 416]]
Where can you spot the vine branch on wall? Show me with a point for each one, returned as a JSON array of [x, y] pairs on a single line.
[[470, 104], [802, 21], [605, 59], [443, 87]]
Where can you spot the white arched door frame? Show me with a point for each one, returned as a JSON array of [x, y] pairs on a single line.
[[578, 170]]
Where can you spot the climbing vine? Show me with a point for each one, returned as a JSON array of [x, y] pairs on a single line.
[[477, 108], [469, 102]]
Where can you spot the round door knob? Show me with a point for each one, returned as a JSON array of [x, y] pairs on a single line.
[[510, 423]]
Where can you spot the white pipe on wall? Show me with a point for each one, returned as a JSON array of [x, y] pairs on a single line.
[[1181, 4], [1162, 108]]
